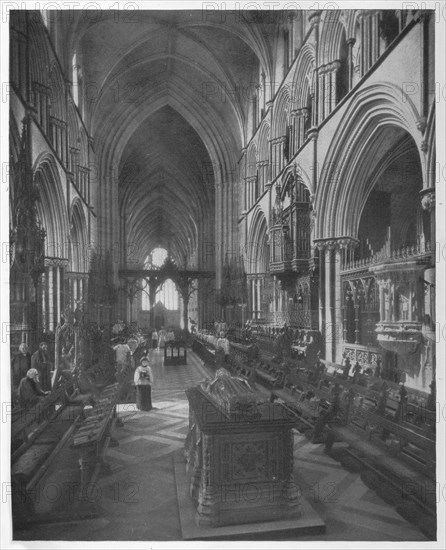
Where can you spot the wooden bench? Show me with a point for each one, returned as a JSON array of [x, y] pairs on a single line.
[[38, 436], [204, 352], [24, 421], [414, 446], [416, 476], [94, 434]]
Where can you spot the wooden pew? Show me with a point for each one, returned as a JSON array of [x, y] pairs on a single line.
[[24, 421], [205, 352], [94, 434], [38, 436]]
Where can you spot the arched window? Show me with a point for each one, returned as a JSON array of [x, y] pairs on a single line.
[[389, 26], [286, 52], [77, 86], [309, 114], [46, 18], [263, 89], [167, 294], [156, 258], [342, 80], [255, 112], [50, 18]]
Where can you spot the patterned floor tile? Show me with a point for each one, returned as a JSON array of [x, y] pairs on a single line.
[[138, 496]]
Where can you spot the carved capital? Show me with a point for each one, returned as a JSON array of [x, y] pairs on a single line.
[[56, 262], [336, 243], [314, 18], [346, 243], [325, 244], [428, 201], [313, 133], [421, 124]]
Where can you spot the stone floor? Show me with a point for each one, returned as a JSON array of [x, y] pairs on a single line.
[[136, 500]]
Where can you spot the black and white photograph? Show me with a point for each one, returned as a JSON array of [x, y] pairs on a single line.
[[223, 274]]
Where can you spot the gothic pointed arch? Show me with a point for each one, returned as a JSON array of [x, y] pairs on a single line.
[[79, 246], [51, 208], [303, 76], [257, 257], [344, 179]]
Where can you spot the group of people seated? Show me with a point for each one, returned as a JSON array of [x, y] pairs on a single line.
[[30, 375]]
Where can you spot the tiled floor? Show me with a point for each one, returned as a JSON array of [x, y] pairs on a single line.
[[137, 499]]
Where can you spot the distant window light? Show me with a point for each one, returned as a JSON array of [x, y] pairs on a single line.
[[46, 18], [75, 79], [156, 258], [168, 295]]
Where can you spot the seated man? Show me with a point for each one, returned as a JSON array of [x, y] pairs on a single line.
[[29, 391]]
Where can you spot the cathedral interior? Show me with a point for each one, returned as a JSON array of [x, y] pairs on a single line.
[[241, 197]]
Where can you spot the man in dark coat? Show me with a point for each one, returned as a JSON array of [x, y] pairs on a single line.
[[29, 391], [41, 362], [21, 364]]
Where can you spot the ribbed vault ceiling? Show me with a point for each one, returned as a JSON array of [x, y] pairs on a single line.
[[170, 95], [166, 184]]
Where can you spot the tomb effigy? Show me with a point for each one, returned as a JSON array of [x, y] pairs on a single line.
[[239, 453]]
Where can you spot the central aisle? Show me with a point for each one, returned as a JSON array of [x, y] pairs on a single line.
[[137, 500]]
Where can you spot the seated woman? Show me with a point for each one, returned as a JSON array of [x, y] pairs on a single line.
[[29, 391], [143, 381]]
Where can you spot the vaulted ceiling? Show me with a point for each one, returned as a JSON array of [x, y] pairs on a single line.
[[168, 95]]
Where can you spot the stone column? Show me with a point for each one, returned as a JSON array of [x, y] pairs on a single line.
[[382, 311], [343, 246], [44, 283], [321, 290], [58, 294], [333, 77], [51, 325], [320, 98], [329, 317], [218, 233], [356, 323], [330, 294], [350, 43], [303, 118], [258, 297], [338, 339], [428, 204]]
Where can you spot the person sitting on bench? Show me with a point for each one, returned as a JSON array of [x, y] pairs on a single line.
[[29, 391]]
